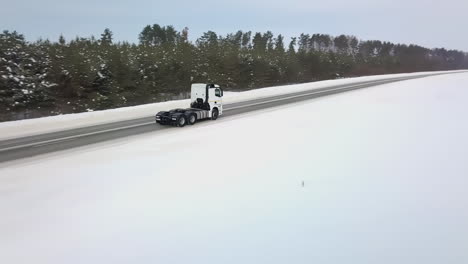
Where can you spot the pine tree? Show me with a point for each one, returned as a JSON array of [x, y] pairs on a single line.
[[146, 36], [62, 40], [23, 71], [106, 37], [279, 45], [184, 35], [342, 44]]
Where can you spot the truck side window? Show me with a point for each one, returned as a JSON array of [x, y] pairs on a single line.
[[218, 93]]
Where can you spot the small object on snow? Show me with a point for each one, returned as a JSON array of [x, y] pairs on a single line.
[[303, 184]]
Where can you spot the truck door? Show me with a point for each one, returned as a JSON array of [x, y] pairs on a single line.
[[216, 99]]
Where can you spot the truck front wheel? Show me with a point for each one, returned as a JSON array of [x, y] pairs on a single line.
[[215, 114], [181, 121]]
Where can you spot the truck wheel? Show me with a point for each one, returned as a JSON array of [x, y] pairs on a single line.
[[215, 114], [181, 121], [192, 119]]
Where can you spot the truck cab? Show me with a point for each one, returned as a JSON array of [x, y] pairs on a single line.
[[207, 97]]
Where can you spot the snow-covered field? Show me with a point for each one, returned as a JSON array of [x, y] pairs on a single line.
[[21, 128], [385, 173]]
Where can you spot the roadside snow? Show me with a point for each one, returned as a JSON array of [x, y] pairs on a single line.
[[384, 171], [21, 128]]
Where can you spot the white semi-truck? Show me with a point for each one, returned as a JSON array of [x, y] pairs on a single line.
[[206, 102]]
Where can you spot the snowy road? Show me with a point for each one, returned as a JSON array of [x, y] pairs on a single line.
[[51, 142], [384, 172]]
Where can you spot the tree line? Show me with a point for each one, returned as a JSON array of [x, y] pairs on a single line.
[[86, 74]]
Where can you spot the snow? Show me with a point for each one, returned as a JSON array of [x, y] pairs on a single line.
[[384, 172], [48, 85], [30, 127]]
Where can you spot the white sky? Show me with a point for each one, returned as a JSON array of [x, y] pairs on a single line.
[[428, 23]]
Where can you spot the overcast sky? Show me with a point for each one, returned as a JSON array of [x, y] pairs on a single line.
[[430, 23]]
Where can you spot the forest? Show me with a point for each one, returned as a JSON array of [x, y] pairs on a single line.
[[45, 77]]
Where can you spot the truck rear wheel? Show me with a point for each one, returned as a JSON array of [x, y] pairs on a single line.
[[181, 121], [215, 114], [192, 119]]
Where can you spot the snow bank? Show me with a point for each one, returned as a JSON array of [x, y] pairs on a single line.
[[384, 173], [29, 127]]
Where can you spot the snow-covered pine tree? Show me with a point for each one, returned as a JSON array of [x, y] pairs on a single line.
[[23, 73]]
